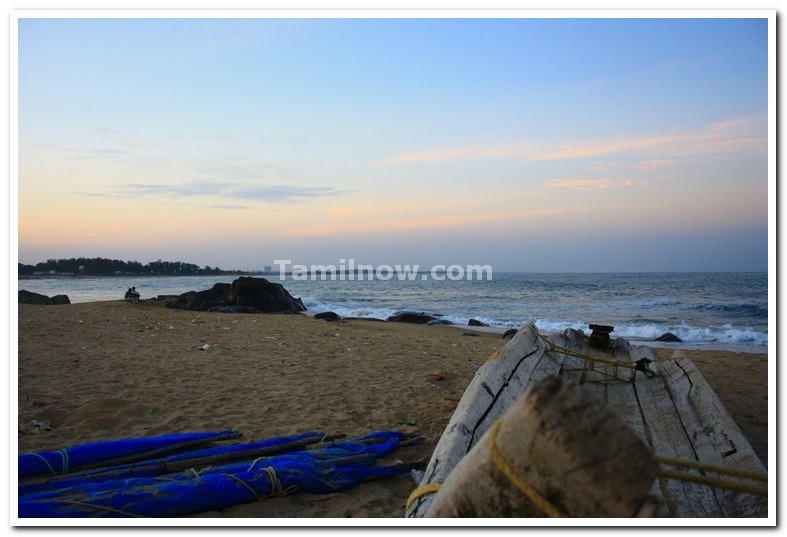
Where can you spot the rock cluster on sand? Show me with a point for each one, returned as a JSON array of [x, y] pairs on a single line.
[[244, 295], [329, 316], [411, 317], [669, 337], [28, 297]]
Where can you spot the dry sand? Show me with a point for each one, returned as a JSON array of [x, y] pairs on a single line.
[[113, 369]]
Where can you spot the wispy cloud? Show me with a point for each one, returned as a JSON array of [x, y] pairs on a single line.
[[464, 153], [536, 214], [282, 193], [232, 191], [396, 224], [650, 165], [738, 135], [591, 184], [723, 137], [81, 153], [643, 166], [229, 207]]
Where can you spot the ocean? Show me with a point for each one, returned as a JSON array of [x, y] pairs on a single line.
[[718, 310]]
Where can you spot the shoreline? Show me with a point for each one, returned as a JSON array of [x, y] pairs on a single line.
[[495, 331], [499, 331], [111, 369]]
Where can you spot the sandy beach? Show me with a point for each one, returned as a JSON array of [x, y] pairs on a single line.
[[112, 369]]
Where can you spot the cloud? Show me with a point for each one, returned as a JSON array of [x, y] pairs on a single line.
[[640, 167], [231, 191], [534, 214], [397, 224], [738, 135], [463, 153], [229, 207], [282, 193], [590, 184], [650, 165], [723, 137], [75, 152], [579, 184]]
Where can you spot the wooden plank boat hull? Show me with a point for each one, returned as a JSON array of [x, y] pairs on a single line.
[[667, 404]]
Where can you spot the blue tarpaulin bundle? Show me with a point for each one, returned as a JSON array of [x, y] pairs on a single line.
[[327, 468], [171, 463], [103, 453]]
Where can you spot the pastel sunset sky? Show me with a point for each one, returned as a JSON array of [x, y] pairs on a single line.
[[530, 144]]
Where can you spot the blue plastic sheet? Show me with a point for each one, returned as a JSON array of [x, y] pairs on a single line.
[[66, 460], [335, 467], [151, 468]]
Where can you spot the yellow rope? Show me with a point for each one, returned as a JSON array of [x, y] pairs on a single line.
[[429, 488], [713, 482], [590, 360], [533, 495], [547, 507], [718, 483], [757, 476], [243, 483]]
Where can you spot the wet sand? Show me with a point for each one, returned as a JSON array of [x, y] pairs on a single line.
[[112, 369]]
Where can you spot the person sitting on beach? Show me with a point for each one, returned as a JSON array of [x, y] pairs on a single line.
[[132, 295]]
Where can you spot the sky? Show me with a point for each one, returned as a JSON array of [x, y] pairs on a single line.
[[529, 144]]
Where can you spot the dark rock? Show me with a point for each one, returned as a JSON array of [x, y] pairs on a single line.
[[179, 302], [266, 296], [511, 332], [474, 322], [440, 322], [60, 299], [28, 297], [248, 292], [669, 337], [328, 316], [205, 300], [233, 309], [471, 334], [411, 317]]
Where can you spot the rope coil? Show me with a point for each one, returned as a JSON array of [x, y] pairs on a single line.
[[276, 487]]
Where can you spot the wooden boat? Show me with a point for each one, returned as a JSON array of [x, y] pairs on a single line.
[[705, 466]]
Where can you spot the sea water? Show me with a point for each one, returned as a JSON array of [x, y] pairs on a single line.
[[703, 309]]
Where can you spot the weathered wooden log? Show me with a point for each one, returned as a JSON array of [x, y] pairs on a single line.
[[500, 381], [714, 438], [558, 451]]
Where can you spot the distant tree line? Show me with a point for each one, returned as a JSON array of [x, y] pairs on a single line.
[[99, 266]]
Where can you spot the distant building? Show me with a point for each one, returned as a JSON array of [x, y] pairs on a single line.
[[267, 269]]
